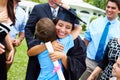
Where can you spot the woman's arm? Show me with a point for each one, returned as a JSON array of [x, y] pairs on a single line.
[[10, 49], [76, 32], [41, 47], [36, 50]]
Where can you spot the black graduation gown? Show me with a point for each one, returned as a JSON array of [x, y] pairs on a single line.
[[76, 60]]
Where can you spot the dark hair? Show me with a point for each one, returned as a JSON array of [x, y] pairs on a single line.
[[115, 1], [10, 8], [45, 30]]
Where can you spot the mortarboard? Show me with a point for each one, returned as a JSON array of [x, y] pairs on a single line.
[[69, 15]]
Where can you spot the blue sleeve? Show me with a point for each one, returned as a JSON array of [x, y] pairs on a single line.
[[67, 42], [89, 30]]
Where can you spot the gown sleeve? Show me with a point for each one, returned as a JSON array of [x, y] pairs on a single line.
[[76, 60]]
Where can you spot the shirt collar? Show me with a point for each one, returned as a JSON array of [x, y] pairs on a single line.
[[55, 9], [113, 21]]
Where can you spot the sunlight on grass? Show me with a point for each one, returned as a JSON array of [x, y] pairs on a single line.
[[18, 68]]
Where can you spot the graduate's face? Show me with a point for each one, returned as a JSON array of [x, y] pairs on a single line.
[[112, 10], [116, 68], [63, 28]]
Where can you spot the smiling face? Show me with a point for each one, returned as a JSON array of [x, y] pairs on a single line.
[[112, 10], [116, 68], [63, 28]]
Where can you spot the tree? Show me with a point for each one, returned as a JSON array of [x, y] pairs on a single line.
[[98, 3], [39, 1]]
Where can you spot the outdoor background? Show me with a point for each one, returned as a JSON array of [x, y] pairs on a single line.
[[18, 68]]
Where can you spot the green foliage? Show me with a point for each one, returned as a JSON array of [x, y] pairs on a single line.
[[84, 27], [19, 66], [92, 18], [118, 16], [98, 3], [39, 1]]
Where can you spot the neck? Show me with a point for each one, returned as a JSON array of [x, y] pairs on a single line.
[[112, 18]]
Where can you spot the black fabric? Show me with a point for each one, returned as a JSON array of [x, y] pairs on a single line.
[[76, 60], [3, 71], [69, 16], [3, 32], [33, 68]]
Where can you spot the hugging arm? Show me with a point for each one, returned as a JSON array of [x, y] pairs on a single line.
[[75, 33], [41, 47], [10, 48]]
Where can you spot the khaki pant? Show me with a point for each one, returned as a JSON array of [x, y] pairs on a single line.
[[91, 65]]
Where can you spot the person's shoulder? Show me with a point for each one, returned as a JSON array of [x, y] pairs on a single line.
[[98, 19], [41, 5]]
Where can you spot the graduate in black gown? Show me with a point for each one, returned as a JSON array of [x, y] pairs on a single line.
[[75, 59]]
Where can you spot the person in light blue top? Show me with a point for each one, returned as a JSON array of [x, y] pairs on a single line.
[[93, 34], [95, 31], [47, 31], [18, 27]]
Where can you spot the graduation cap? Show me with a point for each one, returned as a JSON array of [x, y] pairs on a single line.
[[68, 15]]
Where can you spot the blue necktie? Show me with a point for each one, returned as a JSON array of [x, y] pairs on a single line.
[[101, 45]]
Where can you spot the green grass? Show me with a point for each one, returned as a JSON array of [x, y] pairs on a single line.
[[18, 68]]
